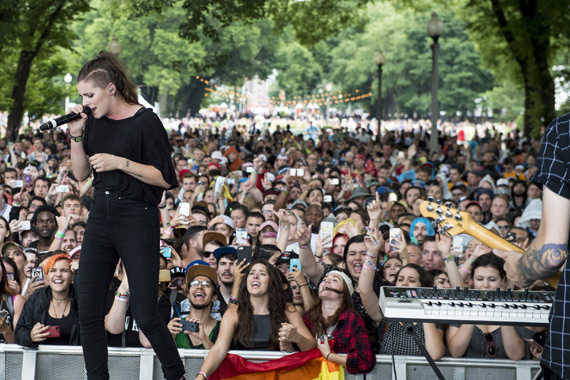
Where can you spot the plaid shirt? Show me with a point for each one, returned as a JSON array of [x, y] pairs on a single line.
[[350, 337], [553, 171]]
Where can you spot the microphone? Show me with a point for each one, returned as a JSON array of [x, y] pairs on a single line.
[[51, 124]]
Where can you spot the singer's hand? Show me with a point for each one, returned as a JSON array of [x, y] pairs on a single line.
[[103, 162], [76, 127]]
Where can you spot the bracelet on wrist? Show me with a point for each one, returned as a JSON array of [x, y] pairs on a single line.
[[59, 235], [203, 374], [327, 357], [76, 138], [233, 300], [464, 270], [303, 246]]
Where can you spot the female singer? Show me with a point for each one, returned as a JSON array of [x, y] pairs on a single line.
[[126, 147]]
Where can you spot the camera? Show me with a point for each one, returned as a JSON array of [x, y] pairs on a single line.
[[190, 326]]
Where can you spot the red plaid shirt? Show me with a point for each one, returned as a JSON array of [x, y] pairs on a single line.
[[350, 337]]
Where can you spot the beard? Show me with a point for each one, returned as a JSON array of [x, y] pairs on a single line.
[[200, 306]]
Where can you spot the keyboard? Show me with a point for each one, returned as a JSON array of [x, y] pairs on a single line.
[[469, 306]]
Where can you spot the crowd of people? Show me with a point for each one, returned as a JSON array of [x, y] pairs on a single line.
[[319, 225]]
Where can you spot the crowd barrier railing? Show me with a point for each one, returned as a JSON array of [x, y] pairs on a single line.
[[66, 362]]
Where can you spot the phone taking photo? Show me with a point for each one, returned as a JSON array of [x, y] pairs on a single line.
[[241, 236], [395, 237], [39, 271], [189, 326], [244, 253]]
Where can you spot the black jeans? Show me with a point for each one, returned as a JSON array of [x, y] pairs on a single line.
[[126, 229]]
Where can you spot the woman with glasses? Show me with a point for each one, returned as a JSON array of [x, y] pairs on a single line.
[[488, 341]]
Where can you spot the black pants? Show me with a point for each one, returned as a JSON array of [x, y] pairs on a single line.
[[126, 229]]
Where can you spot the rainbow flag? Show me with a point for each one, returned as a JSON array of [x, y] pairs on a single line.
[[301, 365]]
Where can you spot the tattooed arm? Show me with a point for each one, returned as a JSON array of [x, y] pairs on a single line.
[[549, 250]]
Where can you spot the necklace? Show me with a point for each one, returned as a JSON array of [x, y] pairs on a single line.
[[64, 308], [60, 300]]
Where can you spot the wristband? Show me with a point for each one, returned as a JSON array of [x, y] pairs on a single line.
[[17, 204], [371, 264], [464, 270], [59, 235], [125, 299], [327, 357], [470, 260], [76, 138], [203, 375], [368, 267], [233, 300], [303, 246]]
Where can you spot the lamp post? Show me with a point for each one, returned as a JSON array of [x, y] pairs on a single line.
[[379, 59], [67, 80], [434, 30], [115, 46]]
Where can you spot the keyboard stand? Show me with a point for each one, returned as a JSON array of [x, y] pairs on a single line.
[[411, 330]]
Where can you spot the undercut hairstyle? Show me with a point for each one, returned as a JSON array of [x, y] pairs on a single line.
[[192, 233], [105, 69]]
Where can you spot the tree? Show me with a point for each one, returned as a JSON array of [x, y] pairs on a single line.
[[519, 39], [37, 28]]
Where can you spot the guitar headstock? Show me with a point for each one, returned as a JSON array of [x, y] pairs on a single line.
[[450, 219]]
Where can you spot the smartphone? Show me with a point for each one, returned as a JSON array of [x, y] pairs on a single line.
[[395, 237], [17, 183], [295, 263], [241, 236], [401, 154], [534, 343], [335, 181], [166, 252], [327, 199], [164, 275], [25, 225], [293, 172], [392, 197], [300, 172], [230, 181], [219, 184], [3, 313], [177, 283], [62, 189], [249, 169], [39, 271], [184, 209], [189, 326], [10, 276], [512, 237], [326, 230], [244, 252], [457, 247], [53, 332]]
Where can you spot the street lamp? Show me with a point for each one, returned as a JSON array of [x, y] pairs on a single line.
[[380, 60], [434, 30], [115, 46], [67, 80]]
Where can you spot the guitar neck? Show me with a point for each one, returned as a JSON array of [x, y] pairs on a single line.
[[491, 239]]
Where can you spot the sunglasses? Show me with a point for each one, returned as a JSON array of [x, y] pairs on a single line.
[[503, 227], [207, 254], [490, 349]]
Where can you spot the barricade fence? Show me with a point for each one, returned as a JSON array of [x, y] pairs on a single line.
[[66, 362]]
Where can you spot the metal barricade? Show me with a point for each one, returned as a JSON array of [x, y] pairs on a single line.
[[66, 362]]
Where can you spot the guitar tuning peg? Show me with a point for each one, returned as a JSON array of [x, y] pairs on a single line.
[[430, 199], [448, 213], [457, 215], [448, 204], [438, 211], [440, 219], [429, 207], [441, 231], [448, 226], [439, 202]]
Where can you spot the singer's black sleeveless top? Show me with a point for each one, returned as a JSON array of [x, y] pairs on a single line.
[[140, 138]]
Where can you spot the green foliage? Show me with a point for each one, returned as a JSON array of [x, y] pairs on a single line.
[[401, 36]]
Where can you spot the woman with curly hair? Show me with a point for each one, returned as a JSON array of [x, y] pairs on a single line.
[[261, 300]]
